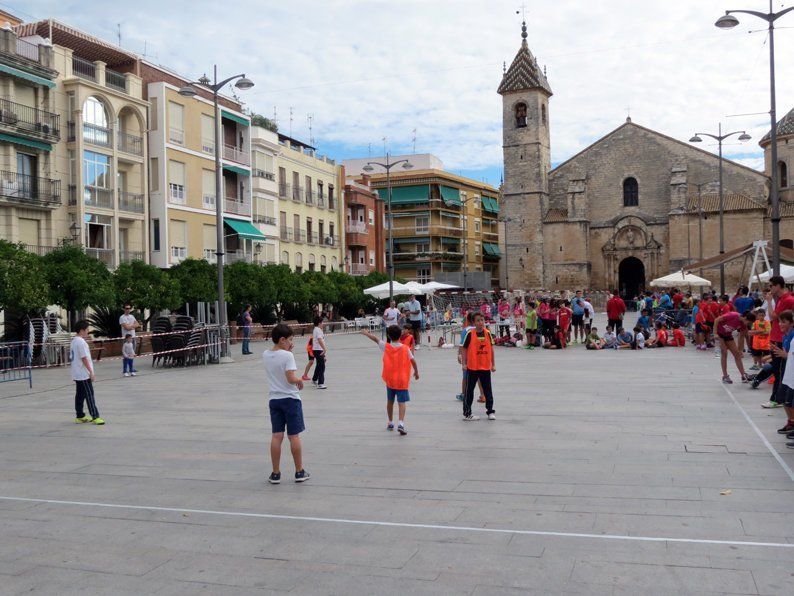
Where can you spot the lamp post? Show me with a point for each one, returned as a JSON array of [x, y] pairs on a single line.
[[728, 21], [369, 167], [190, 91], [719, 137]]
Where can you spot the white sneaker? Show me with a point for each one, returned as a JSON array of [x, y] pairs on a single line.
[[133, 374], [321, 387], [491, 416], [770, 404], [126, 374], [470, 418]]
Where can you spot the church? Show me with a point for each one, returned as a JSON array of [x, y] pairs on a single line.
[[634, 205]]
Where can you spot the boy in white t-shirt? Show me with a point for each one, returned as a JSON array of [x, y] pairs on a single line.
[[320, 353], [286, 409], [82, 369]]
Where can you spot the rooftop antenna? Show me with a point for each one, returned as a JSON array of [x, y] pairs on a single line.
[[414, 131], [118, 26], [369, 149], [290, 121], [310, 118], [384, 145], [275, 116], [628, 113]]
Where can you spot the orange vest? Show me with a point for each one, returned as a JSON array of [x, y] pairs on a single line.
[[479, 354], [408, 340], [761, 342], [396, 366]]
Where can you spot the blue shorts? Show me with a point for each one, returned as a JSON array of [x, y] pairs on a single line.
[[287, 412], [400, 394]]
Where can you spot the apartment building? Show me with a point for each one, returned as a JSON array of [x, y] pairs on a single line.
[[364, 239], [182, 182], [441, 221], [309, 208], [91, 150], [264, 153]]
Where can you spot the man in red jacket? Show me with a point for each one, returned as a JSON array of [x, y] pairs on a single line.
[[615, 309]]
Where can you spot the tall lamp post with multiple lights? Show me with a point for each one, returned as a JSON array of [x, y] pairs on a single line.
[[370, 167], [190, 91], [719, 137], [728, 21]]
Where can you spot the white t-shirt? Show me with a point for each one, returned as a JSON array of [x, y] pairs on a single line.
[[128, 350], [129, 320], [788, 376], [79, 350], [397, 344], [317, 335], [640, 339], [414, 307], [391, 316], [277, 363], [588, 316]]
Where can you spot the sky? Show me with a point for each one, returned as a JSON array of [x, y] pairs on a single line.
[[378, 73]]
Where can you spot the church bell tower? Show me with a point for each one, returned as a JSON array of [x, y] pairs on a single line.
[[527, 160]]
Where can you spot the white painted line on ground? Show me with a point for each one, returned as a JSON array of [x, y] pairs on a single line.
[[363, 522], [771, 449]]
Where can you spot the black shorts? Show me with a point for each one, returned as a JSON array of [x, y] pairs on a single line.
[[725, 338], [615, 323], [702, 328], [416, 325], [759, 353], [785, 395], [577, 320]]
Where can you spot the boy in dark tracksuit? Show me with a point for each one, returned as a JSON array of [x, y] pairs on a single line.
[[477, 360]]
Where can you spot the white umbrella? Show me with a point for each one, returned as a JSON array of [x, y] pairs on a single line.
[[433, 286], [382, 290], [680, 279], [415, 288], [787, 271]]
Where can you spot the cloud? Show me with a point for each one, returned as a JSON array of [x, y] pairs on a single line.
[[368, 69]]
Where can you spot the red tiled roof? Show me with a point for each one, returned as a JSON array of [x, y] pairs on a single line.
[[556, 216], [731, 202], [84, 45]]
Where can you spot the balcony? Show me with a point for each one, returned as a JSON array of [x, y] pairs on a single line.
[[263, 174], [359, 269], [95, 135], [284, 191], [131, 144], [309, 197], [238, 256], [235, 154], [27, 50], [130, 202], [84, 69], [297, 194], [31, 190], [208, 146], [115, 80], [128, 256], [176, 194], [321, 200], [39, 249], [433, 255], [28, 121], [356, 227], [210, 256], [286, 233], [299, 235], [178, 254], [312, 237], [236, 207], [103, 255], [95, 196], [268, 220], [176, 136]]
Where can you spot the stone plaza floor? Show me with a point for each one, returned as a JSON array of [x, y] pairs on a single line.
[[604, 473]]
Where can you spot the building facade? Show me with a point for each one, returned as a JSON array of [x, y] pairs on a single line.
[[264, 154], [309, 208], [364, 235]]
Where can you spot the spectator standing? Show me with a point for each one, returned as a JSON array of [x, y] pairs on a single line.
[[320, 353], [577, 320], [247, 320], [616, 308], [391, 316], [782, 300], [129, 324], [415, 318]]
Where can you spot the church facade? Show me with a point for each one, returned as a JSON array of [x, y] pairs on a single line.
[[633, 206]]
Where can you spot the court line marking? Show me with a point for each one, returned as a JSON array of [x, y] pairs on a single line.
[[761, 436], [362, 522]]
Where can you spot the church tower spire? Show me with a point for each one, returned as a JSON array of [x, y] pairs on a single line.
[[525, 94]]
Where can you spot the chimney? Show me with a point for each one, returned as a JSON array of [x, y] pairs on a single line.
[[365, 180]]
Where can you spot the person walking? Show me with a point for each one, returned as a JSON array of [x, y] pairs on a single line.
[[82, 370], [247, 321], [415, 318], [320, 353]]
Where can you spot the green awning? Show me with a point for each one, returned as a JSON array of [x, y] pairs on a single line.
[[235, 117], [451, 196], [490, 204], [26, 142], [406, 195], [412, 239], [236, 170], [244, 229], [453, 241], [21, 74], [491, 249]]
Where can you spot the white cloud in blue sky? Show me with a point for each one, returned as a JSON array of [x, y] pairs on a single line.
[[366, 69]]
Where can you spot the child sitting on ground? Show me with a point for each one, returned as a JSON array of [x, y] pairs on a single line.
[[660, 340], [625, 339], [639, 338], [557, 341], [678, 340], [593, 341], [610, 340]]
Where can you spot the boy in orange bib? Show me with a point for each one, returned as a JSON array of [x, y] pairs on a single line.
[[397, 363], [477, 359]]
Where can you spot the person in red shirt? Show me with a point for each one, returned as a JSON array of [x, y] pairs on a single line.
[[724, 328], [564, 318], [711, 310], [725, 304], [660, 341], [678, 340], [678, 298], [407, 338], [544, 314], [777, 300], [557, 342], [615, 310]]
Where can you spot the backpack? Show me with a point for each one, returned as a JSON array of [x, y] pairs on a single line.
[[240, 320]]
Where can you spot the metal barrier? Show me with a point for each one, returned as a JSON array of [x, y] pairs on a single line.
[[16, 362]]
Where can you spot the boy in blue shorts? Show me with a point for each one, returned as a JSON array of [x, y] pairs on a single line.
[[286, 411]]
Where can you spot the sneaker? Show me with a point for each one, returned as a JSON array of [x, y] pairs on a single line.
[[755, 367], [790, 435], [786, 429], [82, 420], [492, 416], [274, 478], [727, 380], [321, 387], [390, 426], [98, 421], [132, 374], [755, 383], [746, 378], [470, 418], [306, 378], [459, 397], [401, 429], [530, 347], [126, 374], [790, 445], [302, 476], [770, 404]]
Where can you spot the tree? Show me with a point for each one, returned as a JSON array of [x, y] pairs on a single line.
[[288, 288], [259, 120], [23, 283], [351, 296], [146, 287], [197, 281], [76, 280], [247, 283]]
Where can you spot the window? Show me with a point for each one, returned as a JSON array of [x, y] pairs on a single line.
[[309, 229], [208, 134], [96, 170], [312, 261], [284, 257], [782, 174], [323, 263], [209, 242], [97, 231], [321, 230], [521, 115], [298, 262], [282, 183], [154, 173], [423, 275], [422, 225], [152, 113], [331, 198], [94, 113], [156, 234], [176, 182], [208, 189], [176, 123], [331, 234], [372, 258], [423, 247], [371, 214], [308, 189], [631, 192], [477, 249], [543, 114], [177, 233], [476, 225]]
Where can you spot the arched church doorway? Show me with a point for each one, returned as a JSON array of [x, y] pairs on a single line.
[[631, 278]]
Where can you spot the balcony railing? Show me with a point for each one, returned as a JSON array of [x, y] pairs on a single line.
[[286, 233], [312, 237], [320, 200], [359, 269], [356, 227], [130, 202], [131, 144], [284, 191], [128, 256], [176, 135], [310, 196], [40, 249], [176, 194], [330, 240], [232, 206], [95, 196], [299, 235], [268, 220], [104, 255], [210, 256], [178, 253], [29, 189], [263, 174], [27, 50], [115, 80], [235, 154], [238, 256], [97, 135], [29, 121], [297, 194], [83, 68]]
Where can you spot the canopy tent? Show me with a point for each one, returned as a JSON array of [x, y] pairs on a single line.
[[434, 286], [382, 290], [761, 259], [787, 271], [679, 279], [415, 288]]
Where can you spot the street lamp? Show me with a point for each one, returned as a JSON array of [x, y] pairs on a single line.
[[74, 230], [719, 137], [189, 90], [407, 165], [728, 21]]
